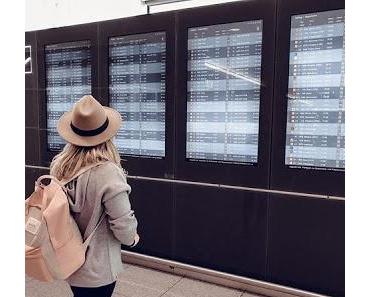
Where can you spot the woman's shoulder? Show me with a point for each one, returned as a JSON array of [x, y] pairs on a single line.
[[108, 171], [109, 178], [104, 176], [108, 165]]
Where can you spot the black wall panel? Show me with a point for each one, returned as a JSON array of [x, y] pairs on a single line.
[[221, 229], [153, 205], [31, 85], [306, 244], [162, 22], [33, 149], [31, 175], [31, 78], [256, 175], [31, 107], [54, 36], [324, 182]]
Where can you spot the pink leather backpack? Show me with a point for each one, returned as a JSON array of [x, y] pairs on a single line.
[[54, 246]]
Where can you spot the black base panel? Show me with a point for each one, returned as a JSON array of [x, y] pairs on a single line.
[[153, 205], [221, 229], [306, 244], [226, 230]]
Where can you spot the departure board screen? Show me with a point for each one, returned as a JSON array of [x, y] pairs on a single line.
[[223, 92], [224, 80], [68, 78], [137, 89], [315, 116]]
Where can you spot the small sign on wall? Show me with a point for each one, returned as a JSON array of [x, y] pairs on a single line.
[[28, 60]]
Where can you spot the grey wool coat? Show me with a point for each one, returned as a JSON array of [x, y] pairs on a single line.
[[102, 189]]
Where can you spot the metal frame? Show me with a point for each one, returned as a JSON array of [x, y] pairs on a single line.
[[222, 186], [160, 2]]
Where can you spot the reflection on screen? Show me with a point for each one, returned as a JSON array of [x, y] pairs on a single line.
[[224, 80], [137, 85], [316, 116], [68, 78]]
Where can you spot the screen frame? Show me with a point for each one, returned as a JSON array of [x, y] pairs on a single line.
[[56, 36], [256, 175], [161, 167], [326, 182]]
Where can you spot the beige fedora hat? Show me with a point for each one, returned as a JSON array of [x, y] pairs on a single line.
[[89, 123]]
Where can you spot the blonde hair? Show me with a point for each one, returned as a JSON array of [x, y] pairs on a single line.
[[72, 158]]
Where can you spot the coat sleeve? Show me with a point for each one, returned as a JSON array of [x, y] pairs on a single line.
[[115, 198]]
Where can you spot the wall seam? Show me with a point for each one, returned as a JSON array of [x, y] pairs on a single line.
[[267, 271], [174, 131]]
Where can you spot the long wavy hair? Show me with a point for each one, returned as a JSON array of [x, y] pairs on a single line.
[[72, 158]]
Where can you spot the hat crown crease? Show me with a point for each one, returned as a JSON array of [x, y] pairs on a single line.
[[88, 114]]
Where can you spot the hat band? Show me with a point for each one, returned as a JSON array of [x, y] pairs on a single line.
[[94, 132]]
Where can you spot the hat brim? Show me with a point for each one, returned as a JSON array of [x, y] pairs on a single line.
[[65, 131]]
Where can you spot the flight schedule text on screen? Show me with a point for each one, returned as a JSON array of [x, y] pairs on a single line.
[[137, 89], [315, 114], [68, 78], [223, 92]]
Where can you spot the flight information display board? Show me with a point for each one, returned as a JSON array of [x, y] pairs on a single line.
[[137, 89], [223, 93], [68, 78], [315, 116]]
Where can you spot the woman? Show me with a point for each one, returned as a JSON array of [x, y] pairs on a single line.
[[100, 191]]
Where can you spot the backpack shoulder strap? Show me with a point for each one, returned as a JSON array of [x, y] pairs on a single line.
[[89, 238], [81, 171]]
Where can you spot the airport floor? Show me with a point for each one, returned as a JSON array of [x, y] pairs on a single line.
[[137, 281]]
